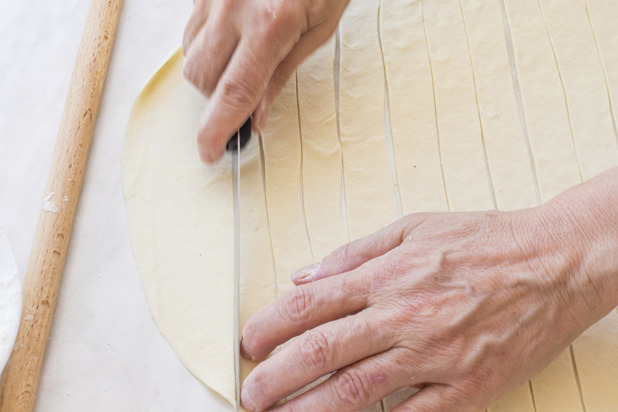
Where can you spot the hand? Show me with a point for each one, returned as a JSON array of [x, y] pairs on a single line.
[[243, 51], [464, 306]]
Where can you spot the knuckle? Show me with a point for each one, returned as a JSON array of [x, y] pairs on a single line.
[[207, 84], [188, 70], [315, 350], [281, 16], [352, 388], [237, 93], [343, 253], [193, 70], [299, 304], [277, 10]]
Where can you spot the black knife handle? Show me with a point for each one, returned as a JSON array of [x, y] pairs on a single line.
[[245, 135]]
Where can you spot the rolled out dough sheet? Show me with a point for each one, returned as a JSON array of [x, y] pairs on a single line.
[[488, 107], [181, 221]]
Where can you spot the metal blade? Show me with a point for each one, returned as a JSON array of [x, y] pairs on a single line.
[[236, 199]]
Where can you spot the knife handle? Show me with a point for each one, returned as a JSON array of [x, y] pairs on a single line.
[[245, 135]]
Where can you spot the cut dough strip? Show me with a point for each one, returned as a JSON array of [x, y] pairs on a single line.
[[370, 194], [606, 39], [463, 156], [322, 163], [508, 158], [282, 167], [584, 84], [542, 100], [412, 107]]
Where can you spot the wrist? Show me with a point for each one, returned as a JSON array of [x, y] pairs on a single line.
[[582, 226]]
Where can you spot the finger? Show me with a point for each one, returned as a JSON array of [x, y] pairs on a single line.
[[435, 398], [210, 54], [302, 309], [354, 254], [305, 46], [319, 351], [241, 86], [355, 387], [196, 21]]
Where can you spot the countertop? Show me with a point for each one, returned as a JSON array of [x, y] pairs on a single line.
[[105, 352]]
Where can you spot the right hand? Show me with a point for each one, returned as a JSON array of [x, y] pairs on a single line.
[[241, 53]]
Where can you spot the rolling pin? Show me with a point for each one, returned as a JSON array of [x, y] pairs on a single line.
[[20, 379]]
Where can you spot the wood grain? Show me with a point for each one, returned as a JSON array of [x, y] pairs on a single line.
[[20, 379]]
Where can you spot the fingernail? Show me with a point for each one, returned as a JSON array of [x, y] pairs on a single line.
[[245, 352], [245, 398], [306, 273]]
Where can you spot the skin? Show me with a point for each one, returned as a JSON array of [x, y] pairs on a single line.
[[463, 306], [241, 53]]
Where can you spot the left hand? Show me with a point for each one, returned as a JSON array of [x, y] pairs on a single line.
[[241, 53], [464, 306]]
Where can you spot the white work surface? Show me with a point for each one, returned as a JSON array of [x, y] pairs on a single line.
[[105, 352]]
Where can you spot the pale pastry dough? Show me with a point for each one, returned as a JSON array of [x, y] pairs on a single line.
[[518, 400], [507, 154], [322, 162], [181, 222], [545, 110], [584, 84], [369, 189], [391, 402], [467, 179], [597, 364], [606, 37], [412, 107], [555, 387]]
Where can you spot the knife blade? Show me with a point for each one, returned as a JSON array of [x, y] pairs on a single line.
[[236, 195], [235, 144]]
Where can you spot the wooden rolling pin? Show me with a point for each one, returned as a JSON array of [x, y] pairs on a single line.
[[20, 379]]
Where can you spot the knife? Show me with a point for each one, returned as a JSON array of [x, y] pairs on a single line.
[[234, 146]]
